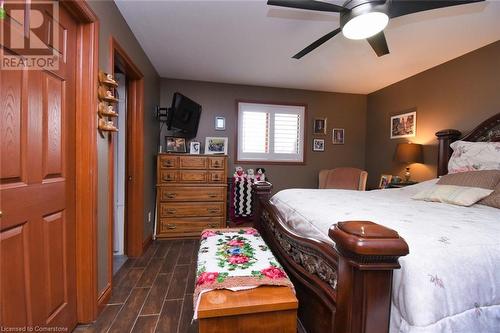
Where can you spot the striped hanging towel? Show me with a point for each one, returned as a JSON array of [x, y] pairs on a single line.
[[242, 196]]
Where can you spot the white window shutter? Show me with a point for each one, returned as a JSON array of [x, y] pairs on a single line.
[[255, 128], [270, 132], [286, 133]]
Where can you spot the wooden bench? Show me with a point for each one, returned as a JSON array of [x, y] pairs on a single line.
[[262, 309]]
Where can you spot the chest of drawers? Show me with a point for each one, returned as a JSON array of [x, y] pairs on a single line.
[[191, 194]]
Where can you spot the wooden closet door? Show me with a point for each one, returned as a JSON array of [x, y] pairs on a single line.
[[37, 227]]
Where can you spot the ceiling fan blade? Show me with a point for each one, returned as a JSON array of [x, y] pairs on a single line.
[[404, 7], [379, 44], [317, 43], [307, 4]]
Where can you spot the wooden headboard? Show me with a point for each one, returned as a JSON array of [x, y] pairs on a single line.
[[487, 131]]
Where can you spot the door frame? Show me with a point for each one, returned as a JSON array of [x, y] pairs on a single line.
[[134, 168], [86, 158]]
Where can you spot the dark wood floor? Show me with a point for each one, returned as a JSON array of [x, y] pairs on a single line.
[[153, 293]]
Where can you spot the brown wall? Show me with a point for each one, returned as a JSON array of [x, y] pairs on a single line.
[[342, 110], [458, 94], [111, 23]]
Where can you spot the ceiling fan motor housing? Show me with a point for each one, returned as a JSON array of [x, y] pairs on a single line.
[[359, 7]]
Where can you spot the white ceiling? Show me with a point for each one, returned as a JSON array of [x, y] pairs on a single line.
[[248, 42]]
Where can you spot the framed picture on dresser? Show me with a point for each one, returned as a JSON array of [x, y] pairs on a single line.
[[175, 145], [216, 145], [194, 148]]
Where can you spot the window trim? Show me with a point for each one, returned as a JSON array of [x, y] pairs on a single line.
[[265, 162]]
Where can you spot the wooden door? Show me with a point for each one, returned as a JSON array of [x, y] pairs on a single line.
[[37, 227]]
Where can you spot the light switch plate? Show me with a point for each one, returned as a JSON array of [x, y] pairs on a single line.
[[220, 123]]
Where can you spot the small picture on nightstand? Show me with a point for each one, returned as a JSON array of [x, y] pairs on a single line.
[[384, 182]]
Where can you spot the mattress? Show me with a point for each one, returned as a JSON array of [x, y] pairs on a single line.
[[450, 281]]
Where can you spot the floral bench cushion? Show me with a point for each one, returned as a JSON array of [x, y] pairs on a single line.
[[235, 259]]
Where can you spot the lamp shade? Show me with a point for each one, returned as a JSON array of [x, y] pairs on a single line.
[[409, 153]]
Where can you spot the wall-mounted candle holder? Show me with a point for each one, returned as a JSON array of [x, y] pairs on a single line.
[[107, 79], [106, 110], [106, 94], [106, 125], [107, 99]]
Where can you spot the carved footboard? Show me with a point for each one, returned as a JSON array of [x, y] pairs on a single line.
[[342, 288]]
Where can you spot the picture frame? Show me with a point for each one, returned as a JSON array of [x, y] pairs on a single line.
[[384, 182], [216, 145], [404, 125], [318, 145], [338, 136], [319, 126], [194, 148], [175, 144]]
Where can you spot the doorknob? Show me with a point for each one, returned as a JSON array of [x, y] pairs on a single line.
[[1, 213], [129, 178]]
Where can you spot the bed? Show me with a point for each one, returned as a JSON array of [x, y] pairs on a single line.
[[396, 264]]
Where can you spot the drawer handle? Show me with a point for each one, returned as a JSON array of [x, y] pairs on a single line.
[[212, 195], [215, 177], [171, 226], [213, 225], [171, 195], [168, 177], [213, 210], [171, 211], [216, 163]]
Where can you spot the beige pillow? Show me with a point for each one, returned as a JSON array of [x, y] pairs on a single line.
[[455, 195], [492, 200], [487, 179]]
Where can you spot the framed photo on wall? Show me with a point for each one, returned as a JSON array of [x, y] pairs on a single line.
[[404, 125], [319, 126], [338, 136], [175, 145], [216, 145], [318, 144]]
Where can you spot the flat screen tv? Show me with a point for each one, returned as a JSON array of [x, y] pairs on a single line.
[[184, 116]]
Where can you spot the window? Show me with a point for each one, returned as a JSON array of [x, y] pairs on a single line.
[[271, 132]]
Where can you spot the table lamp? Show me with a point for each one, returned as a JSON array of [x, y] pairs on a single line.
[[409, 153]]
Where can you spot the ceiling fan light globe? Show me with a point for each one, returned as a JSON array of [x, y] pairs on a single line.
[[365, 25]]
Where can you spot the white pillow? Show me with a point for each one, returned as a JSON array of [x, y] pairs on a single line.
[[452, 194], [473, 156]]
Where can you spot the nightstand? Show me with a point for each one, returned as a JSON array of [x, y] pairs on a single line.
[[401, 184]]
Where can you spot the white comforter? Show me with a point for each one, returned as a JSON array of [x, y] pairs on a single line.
[[450, 281]]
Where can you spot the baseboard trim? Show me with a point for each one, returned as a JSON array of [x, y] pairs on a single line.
[[103, 298], [146, 243]]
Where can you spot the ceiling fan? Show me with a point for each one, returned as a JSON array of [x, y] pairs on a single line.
[[365, 19]]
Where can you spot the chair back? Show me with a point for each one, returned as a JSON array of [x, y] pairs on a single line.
[[343, 178]]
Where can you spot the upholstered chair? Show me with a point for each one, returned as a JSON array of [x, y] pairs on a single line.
[[343, 178]]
